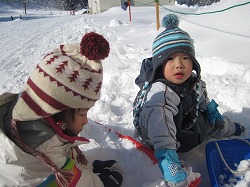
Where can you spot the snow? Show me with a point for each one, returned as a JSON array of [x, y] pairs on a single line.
[[222, 48]]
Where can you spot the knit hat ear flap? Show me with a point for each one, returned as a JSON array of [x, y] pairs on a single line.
[[68, 77]]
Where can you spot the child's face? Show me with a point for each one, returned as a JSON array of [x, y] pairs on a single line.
[[81, 119], [178, 68]]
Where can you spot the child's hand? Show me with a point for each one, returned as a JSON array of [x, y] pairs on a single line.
[[170, 166], [109, 172], [212, 113]]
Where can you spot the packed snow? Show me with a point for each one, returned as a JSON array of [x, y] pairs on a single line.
[[222, 49]]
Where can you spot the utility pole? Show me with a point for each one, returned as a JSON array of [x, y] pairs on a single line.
[[25, 5], [157, 14], [129, 9]]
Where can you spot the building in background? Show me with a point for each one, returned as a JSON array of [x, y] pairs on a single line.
[[151, 2], [99, 6]]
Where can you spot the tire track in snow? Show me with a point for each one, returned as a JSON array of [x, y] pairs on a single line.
[[25, 50]]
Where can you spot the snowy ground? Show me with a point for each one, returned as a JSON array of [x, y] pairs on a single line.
[[222, 48]]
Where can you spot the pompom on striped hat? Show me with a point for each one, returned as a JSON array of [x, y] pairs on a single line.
[[70, 76], [172, 40]]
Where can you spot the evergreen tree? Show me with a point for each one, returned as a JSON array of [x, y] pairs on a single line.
[[75, 4], [197, 2]]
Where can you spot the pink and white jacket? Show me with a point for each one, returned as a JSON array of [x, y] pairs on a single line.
[[18, 168]]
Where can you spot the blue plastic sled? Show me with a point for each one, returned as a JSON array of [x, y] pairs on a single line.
[[233, 152]]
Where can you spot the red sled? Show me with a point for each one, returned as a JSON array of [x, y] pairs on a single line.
[[149, 152]]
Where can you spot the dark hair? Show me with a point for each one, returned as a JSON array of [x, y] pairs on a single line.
[[65, 115]]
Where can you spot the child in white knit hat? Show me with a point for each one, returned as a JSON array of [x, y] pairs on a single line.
[[172, 111], [40, 127]]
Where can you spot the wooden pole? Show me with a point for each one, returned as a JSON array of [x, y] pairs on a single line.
[[129, 9], [157, 14], [25, 7]]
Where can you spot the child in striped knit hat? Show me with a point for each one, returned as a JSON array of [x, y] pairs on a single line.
[[172, 111], [40, 127]]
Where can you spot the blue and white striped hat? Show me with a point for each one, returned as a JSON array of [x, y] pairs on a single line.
[[172, 40]]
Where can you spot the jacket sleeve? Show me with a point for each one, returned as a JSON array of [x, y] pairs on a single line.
[[209, 107], [157, 116], [203, 96], [7, 101], [59, 153]]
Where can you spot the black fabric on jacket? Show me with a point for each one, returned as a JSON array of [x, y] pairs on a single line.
[[188, 137], [33, 133]]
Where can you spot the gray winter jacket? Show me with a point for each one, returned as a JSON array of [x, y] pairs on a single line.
[[165, 120], [162, 114]]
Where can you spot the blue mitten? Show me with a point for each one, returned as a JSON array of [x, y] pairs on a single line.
[[212, 113], [170, 167]]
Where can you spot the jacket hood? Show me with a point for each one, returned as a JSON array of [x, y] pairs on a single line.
[[149, 68]]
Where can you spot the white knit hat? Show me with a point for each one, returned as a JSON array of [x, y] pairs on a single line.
[[68, 77]]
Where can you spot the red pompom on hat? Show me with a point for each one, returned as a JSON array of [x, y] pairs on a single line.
[[94, 46]]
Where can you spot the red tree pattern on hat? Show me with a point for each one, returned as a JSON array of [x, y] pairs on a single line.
[[98, 87], [87, 83], [52, 59], [74, 76], [62, 66], [63, 52]]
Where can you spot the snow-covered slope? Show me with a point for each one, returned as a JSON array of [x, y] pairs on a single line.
[[222, 48]]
